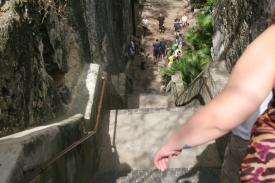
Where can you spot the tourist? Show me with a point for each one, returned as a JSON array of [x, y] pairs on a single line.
[[174, 47], [168, 53], [161, 23], [240, 98], [171, 59], [137, 43], [184, 21], [131, 50], [145, 25], [177, 25], [156, 51], [162, 48], [179, 40], [143, 58]]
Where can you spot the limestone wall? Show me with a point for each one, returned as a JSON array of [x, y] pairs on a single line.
[[237, 23], [42, 58], [24, 154]]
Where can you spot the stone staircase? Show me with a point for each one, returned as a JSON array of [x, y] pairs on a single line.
[[178, 175], [131, 137]]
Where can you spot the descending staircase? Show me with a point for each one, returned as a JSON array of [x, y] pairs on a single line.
[[131, 137], [179, 175]]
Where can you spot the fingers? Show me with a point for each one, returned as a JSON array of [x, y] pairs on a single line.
[[157, 159], [161, 164], [162, 157], [161, 160]]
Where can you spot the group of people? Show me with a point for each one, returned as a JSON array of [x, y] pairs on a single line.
[[161, 51], [179, 23], [135, 48]]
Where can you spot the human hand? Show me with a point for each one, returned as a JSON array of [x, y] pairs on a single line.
[[161, 158]]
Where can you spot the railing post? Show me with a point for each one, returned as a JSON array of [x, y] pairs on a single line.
[[204, 80]]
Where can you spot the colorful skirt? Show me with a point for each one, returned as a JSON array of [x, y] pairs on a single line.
[[259, 163]]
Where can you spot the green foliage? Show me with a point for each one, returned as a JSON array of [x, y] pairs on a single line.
[[197, 55], [211, 3], [205, 24], [190, 65]]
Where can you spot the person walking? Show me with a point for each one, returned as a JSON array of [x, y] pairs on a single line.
[[179, 40], [156, 51], [161, 23], [162, 49], [184, 21], [131, 50], [145, 25], [177, 26]]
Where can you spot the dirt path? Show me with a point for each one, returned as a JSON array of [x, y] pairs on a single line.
[[147, 89], [171, 9]]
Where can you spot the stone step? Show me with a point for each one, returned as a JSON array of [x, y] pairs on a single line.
[[183, 175], [130, 139], [149, 101]]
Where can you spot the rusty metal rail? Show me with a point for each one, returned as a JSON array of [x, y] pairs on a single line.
[[204, 81], [89, 134], [201, 76]]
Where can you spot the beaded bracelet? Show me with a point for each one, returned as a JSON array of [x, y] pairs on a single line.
[[186, 146]]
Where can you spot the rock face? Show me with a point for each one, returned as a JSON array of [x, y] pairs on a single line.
[[237, 23], [42, 57]]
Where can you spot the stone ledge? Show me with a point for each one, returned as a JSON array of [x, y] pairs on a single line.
[[28, 150], [24, 153]]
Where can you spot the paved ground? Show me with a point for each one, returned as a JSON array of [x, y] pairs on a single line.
[[131, 137], [178, 175]]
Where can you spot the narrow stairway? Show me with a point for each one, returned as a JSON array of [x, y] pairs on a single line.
[[130, 137]]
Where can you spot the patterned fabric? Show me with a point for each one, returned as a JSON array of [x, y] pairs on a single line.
[[259, 163]]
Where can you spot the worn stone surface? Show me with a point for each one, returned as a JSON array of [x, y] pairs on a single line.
[[237, 23], [39, 66], [131, 137], [24, 153], [43, 58], [179, 175]]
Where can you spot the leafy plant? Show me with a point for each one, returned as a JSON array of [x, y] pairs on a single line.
[[211, 3], [197, 55], [205, 24]]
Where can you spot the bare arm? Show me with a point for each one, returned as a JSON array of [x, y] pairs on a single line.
[[250, 82]]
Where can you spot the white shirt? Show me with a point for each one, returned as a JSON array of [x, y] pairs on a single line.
[[244, 130], [177, 53], [184, 18], [145, 23]]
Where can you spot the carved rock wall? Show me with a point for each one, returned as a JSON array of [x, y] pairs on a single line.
[[42, 57]]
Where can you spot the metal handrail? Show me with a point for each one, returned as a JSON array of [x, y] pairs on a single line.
[[202, 76], [76, 143], [192, 83], [204, 80]]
